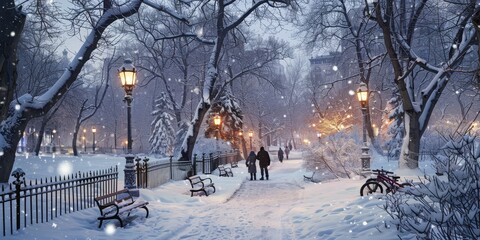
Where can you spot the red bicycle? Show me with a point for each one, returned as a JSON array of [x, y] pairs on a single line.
[[383, 179]]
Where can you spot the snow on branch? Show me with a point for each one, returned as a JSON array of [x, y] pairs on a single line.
[[256, 4], [413, 56], [167, 10], [90, 44]]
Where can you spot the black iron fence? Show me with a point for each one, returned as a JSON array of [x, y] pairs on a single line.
[[154, 174], [208, 163], [39, 201]]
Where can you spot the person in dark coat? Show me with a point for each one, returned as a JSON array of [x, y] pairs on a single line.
[[264, 160], [280, 155], [251, 165], [287, 150]]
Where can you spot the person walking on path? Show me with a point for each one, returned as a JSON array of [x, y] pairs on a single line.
[[280, 155], [264, 160], [287, 150], [252, 167]]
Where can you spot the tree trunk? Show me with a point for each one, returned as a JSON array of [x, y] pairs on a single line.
[[74, 139], [38, 144], [202, 110], [411, 142]]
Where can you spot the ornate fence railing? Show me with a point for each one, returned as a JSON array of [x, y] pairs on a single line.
[[23, 204], [154, 174]]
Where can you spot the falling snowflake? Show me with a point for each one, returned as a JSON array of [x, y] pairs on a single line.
[[54, 225], [12, 34], [17, 107], [110, 229], [65, 168]]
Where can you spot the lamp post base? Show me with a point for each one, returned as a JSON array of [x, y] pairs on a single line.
[[130, 180], [365, 158]]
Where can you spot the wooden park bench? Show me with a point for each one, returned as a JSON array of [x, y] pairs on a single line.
[[224, 171], [307, 178], [200, 185], [234, 164], [114, 204]]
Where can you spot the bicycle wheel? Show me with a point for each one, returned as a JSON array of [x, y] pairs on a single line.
[[370, 187]]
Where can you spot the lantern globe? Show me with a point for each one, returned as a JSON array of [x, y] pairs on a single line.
[[362, 93], [128, 75], [217, 120]]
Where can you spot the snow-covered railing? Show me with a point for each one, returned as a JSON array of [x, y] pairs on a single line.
[[154, 174], [209, 162], [40, 201]]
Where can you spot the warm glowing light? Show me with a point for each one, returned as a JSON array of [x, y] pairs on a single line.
[[128, 75], [362, 93], [217, 120]]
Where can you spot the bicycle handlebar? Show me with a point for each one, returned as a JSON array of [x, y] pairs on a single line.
[[381, 171]]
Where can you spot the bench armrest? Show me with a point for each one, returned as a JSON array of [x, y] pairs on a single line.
[[112, 208], [203, 179]]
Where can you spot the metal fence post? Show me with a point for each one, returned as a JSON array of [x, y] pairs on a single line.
[[18, 173], [203, 162], [145, 167], [212, 163], [139, 185], [194, 164]]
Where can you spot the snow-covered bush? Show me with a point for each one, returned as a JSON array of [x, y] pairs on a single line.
[[163, 132], [446, 207], [337, 156]]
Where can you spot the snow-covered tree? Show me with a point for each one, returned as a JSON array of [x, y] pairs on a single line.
[[17, 111], [393, 127], [231, 114], [420, 74], [339, 27], [163, 133]]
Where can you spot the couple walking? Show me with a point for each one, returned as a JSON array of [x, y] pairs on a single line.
[[264, 162]]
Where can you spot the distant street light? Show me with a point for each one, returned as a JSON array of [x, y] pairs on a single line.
[[217, 120], [362, 95], [319, 136], [53, 140], [250, 135], [128, 78], [94, 130]]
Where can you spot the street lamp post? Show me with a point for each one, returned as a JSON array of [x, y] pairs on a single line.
[[250, 135], [362, 95], [128, 77], [319, 136], [217, 120], [94, 130]]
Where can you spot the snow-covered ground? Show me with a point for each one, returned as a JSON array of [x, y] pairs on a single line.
[[284, 207]]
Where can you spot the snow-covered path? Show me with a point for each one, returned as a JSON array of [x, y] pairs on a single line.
[[248, 214]]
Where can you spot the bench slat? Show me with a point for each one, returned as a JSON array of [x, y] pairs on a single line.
[[123, 202]]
